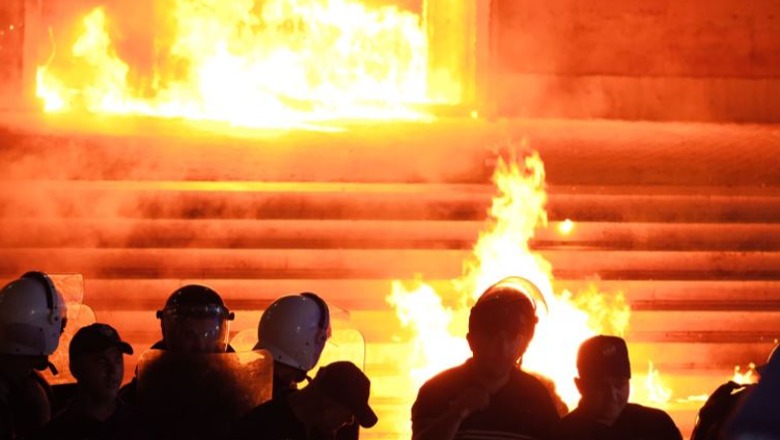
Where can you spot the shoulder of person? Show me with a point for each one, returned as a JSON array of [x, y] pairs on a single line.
[[128, 391], [572, 418], [572, 426], [129, 410], [636, 408], [61, 426], [532, 385], [651, 415], [451, 378], [436, 394], [252, 423], [527, 379], [269, 408]]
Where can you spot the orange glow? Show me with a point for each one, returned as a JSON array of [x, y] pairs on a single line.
[[277, 63], [438, 320], [566, 227]]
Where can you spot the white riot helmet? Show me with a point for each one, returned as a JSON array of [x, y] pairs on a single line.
[[32, 316], [294, 329]]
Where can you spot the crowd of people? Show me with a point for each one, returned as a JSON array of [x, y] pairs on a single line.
[[188, 389]]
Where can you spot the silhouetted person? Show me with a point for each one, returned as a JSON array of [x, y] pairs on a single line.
[[719, 406], [95, 413], [194, 320], [186, 381], [32, 318], [489, 396], [604, 412], [337, 397], [757, 415]]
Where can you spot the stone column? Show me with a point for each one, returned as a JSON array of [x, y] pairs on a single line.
[[459, 51]]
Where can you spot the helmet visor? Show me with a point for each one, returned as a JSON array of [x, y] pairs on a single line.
[[195, 333]]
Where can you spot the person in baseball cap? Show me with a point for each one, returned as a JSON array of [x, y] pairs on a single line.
[[336, 398], [604, 412], [345, 384], [97, 362]]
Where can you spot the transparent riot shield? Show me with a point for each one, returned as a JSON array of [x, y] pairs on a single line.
[[345, 344], [71, 287], [199, 396]]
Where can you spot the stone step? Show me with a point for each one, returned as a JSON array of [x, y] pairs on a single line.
[[644, 327], [681, 218], [457, 150], [370, 294], [380, 263], [360, 201], [376, 234]]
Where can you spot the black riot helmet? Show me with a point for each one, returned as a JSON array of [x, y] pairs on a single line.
[[195, 319]]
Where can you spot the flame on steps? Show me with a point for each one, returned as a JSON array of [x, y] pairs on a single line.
[[658, 394]]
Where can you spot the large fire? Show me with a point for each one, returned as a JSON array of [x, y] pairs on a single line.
[[269, 64], [566, 319], [438, 319]]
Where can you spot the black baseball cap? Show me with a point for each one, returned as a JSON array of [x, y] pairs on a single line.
[[97, 337], [603, 356], [345, 384]]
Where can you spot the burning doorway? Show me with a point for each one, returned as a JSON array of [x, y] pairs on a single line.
[[255, 63]]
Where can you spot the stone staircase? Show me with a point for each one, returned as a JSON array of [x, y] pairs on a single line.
[[682, 218]]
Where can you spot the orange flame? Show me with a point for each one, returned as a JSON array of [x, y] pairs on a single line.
[[658, 394], [750, 376], [253, 64], [502, 250]]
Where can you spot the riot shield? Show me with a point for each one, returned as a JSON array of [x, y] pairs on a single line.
[[345, 344], [71, 287], [244, 340], [199, 396]]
